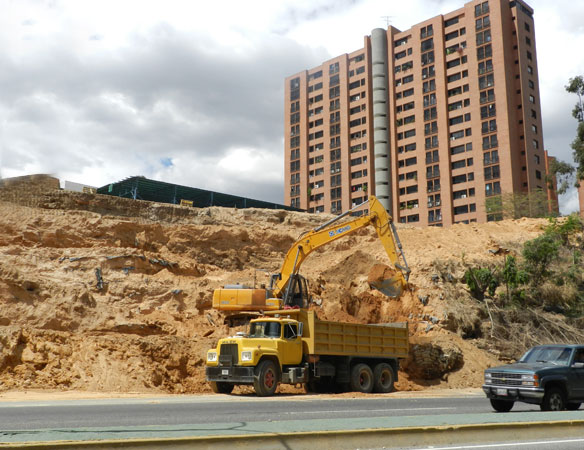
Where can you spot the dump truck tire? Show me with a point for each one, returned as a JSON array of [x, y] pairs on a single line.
[[220, 387], [362, 378], [266, 378], [383, 378]]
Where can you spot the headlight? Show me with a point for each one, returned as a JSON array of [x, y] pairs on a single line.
[[529, 380], [246, 356], [211, 356], [488, 378]]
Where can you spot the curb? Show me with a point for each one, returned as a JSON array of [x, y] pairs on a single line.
[[346, 439]]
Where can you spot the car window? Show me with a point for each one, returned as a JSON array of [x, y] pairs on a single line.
[[554, 355], [290, 331]]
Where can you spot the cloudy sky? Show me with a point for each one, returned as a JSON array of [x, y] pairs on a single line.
[[191, 92]]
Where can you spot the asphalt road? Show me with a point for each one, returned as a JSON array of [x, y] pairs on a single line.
[[224, 409]]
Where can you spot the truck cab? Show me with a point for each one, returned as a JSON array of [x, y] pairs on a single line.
[[259, 357]]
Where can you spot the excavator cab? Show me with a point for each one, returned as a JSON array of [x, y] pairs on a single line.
[[297, 294]]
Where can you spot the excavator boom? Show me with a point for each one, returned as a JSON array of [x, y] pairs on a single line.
[[287, 283], [330, 231]]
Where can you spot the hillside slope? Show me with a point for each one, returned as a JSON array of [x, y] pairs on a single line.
[[107, 294]]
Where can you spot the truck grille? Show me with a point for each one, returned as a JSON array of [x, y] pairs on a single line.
[[228, 351], [506, 379]]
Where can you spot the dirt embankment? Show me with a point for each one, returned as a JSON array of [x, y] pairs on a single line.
[[107, 294]]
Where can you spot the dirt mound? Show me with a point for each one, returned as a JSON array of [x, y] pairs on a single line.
[[110, 294]]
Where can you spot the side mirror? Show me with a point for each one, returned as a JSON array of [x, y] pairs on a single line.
[[300, 329], [578, 365]]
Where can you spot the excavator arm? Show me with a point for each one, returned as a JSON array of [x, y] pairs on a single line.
[[330, 232], [289, 288]]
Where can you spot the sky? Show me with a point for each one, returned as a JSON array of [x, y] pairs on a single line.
[[192, 92]]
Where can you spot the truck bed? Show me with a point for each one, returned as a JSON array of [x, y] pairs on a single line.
[[348, 339]]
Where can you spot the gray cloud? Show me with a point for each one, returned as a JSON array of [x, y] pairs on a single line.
[[295, 15], [165, 95]]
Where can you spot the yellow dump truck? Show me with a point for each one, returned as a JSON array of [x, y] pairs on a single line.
[[294, 347]]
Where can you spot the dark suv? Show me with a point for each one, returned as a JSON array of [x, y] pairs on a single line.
[[551, 376]]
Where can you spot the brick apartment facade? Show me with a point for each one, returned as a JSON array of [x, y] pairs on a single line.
[[441, 116]]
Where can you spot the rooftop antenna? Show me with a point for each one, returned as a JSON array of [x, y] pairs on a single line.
[[387, 20]]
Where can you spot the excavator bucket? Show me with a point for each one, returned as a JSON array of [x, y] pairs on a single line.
[[392, 287], [386, 280]]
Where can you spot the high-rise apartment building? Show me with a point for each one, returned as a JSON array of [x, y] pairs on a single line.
[[433, 120]]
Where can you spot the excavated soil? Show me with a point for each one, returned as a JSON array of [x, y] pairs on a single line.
[[114, 295]]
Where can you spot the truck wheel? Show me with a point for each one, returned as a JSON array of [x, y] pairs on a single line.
[[220, 387], [362, 378], [573, 406], [553, 400], [266, 379], [383, 378], [501, 405]]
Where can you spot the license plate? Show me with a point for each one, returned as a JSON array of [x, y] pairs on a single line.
[[225, 372], [501, 391]]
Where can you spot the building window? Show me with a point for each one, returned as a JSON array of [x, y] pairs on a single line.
[[490, 142], [429, 86], [430, 128], [485, 66], [433, 201], [489, 126], [428, 72], [432, 172], [490, 157], [486, 81], [488, 111], [483, 22], [433, 185], [492, 188], [463, 209], [483, 37], [430, 113], [482, 8], [427, 58], [486, 51], [487, 96], [426, 45], [492, 172], [431, 142], [429, 100], [426, 31]]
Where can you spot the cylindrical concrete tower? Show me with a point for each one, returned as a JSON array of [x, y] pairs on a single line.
[[381, 118]]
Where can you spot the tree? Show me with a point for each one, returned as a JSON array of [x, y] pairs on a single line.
[[479, 280], [538, 255], [513, 205], [576, 86], [564, 173]]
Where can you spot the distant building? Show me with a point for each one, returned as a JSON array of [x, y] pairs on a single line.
[[79, 187], [141, 188], [435, 120]]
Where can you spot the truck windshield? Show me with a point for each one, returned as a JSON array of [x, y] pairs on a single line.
[[264, 329], [555, 355]]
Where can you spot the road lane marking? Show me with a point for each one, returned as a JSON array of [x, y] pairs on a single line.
[[513, 444]]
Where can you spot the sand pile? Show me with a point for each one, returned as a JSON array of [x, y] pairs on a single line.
[[107, 294]]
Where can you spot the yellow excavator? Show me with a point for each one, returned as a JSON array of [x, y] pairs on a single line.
[[290, 289]]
